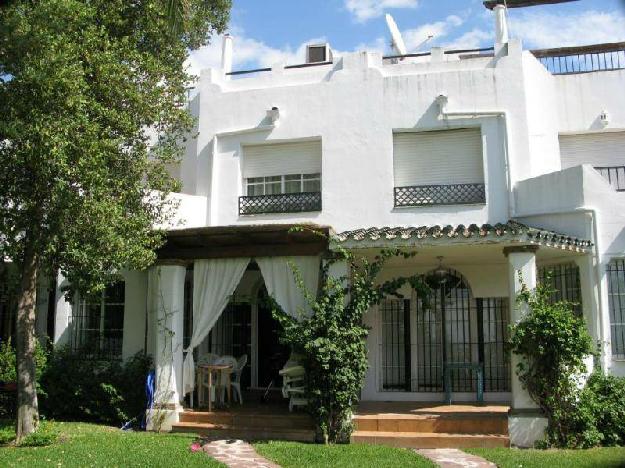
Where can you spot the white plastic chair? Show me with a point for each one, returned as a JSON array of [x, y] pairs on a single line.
[[293, 375], [235, 382], [224, 379]]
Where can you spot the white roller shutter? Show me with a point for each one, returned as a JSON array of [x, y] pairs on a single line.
[[282, 159], [438, 158], [598, 149]]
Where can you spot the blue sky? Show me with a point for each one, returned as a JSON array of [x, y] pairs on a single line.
[[270, 31]]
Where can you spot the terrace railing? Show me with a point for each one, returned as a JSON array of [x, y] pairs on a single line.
[[453, 194], [613, 174], [280, 203], [584, 59]]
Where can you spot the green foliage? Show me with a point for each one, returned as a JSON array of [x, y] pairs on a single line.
[[103, 391], [82, 445], [553, 342], [332, 340], [46, 434], [8, 373], [523, 458], [603, 399], [85, 89], [297, 454]]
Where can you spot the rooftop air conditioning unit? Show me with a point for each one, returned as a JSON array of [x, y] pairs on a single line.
[[318, 53]]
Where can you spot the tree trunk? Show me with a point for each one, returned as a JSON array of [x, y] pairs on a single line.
[[27, 408]]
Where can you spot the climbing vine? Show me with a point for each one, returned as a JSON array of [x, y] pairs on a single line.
[[331, 341]]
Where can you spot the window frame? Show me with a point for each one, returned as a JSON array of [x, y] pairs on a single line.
[[303, 179], [101, 351], [616, 266]]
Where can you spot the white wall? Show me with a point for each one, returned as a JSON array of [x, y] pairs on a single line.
[[582, 98], [354, 106]]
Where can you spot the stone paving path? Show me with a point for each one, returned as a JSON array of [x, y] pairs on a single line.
[[454, 458], [236, 454]]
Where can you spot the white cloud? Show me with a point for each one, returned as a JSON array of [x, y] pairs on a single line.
[[439, 29], [364, 10], [473, 39], [540, 30]]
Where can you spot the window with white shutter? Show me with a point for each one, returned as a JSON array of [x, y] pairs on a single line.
[[281, 178], [438, 168], [605, 151]]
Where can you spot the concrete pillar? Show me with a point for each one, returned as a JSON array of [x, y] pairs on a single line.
[[63, 312], [134, 313], [167, 302], [226, 55], [521, 271], [501, 25], [525, 424]]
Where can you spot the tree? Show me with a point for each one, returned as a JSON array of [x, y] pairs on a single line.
[[92, 97], [332, 341]]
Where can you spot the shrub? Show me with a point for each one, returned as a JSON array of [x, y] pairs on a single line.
[[100, 391], [553, 342], [8, 373], [604, 398]]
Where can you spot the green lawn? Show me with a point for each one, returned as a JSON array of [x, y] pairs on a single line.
[[610, 457], [83, 445], [294, 454]]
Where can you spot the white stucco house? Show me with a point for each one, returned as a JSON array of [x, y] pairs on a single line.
[[485, 162]]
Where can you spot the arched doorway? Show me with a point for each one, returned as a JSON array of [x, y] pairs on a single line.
[[446, 332], [453, 326]]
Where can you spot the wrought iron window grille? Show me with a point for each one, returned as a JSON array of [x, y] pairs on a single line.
[[452, 194], [280, 203], [615, 175]]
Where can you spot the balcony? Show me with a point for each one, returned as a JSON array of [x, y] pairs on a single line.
[[615, 175], [584, 59], [454, 194], [281, 203]]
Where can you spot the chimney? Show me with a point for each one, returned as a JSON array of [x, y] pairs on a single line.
[[501, 25], [226, 55]]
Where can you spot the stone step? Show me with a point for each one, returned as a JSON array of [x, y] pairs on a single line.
[[278, 421], [468, 424], [430, 440], [245, 433]]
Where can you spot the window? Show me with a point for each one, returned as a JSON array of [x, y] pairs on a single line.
[[616, 301], [292, 183], [564, 280], [438, 167], [98, 324]]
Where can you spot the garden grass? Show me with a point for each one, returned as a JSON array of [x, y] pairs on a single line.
[[296, 454], [84, 445], [607, 457]]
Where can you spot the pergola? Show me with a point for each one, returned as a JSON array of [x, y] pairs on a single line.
[[490, 4]]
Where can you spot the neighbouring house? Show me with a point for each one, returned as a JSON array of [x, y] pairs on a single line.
[[485, 162]]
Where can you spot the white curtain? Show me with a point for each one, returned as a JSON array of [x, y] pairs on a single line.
[[281, 284], [214, 281]]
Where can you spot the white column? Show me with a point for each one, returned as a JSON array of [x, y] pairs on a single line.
[[226, 55], [521, 271], [167, 302], [63, 312], [525, 424], [501, 25], [136, 284]]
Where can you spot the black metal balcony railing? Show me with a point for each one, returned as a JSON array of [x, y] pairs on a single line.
[[282, 203], [585, 59], [613, 174], [453, 194]]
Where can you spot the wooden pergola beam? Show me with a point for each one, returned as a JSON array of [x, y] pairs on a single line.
[[490, 4], [243, 241]]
